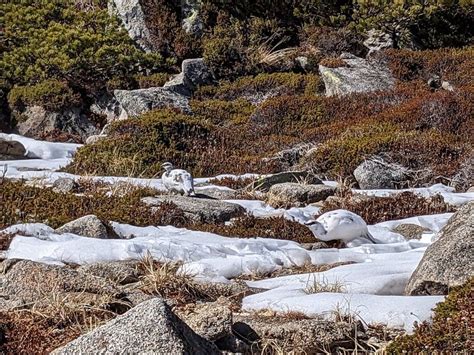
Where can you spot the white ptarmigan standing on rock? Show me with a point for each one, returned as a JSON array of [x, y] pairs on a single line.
[[340, 225], [177, 180]]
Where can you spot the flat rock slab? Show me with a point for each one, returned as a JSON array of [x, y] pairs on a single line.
[[200, 209], [359, 75], [149, 328], [135, 102], [264, 183], [292, 194]]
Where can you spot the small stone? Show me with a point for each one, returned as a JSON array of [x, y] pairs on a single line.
[[88, 226], [65, 185], [11, 150], [297, 195], [409, 231]]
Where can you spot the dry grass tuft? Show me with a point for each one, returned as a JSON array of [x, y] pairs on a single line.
[[170, 281], [318, 284]]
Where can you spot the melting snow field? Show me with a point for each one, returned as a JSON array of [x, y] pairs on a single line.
[[372, 287]]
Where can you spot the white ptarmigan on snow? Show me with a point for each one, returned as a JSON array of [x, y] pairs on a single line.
[[340, 225], [177, 180]]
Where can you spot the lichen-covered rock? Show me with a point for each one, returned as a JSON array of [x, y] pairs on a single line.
[[88, 226], [11, 150], [378, 174], [135, 102], [150, 327], [448, 261], [131, 13], [297, 195], [192, 21], [264, 183], [358, 75], [36, 121], [200, 209], [194, 72]]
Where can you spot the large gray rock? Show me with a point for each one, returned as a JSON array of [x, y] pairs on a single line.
[[358, 76], [292, 194], [88, 226], [31, 282], [194, 72], [37, 121], [449, 260], [135, 102], [264, 183], [132, 16], [11, 150], [378, 174], [200, 209], [149, 328]]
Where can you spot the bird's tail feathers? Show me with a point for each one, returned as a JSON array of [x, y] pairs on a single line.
[[370, 237]]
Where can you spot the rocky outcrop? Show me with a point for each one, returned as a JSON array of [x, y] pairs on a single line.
[[448, 261], [379, 174], [36, 121], [135, 102], [132, 16], [87, 226], [200, 209], [264, 183], [292, 194], [357, 76], [11, 150], [150, 327], [194, 72]]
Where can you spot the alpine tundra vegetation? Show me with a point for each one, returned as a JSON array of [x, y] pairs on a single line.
[[323, 196]]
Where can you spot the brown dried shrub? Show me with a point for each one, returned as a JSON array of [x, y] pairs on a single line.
[[252, 227], [23, 203], [379, 209]]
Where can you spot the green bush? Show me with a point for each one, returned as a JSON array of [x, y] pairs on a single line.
[[254, 86], [222, 112], [54, 39], [138, 147], [52, 94], [450, 331], [153, 80], [418, 23]]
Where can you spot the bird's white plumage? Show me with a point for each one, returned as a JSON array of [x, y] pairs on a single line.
[[340, 225], [178, 180]]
